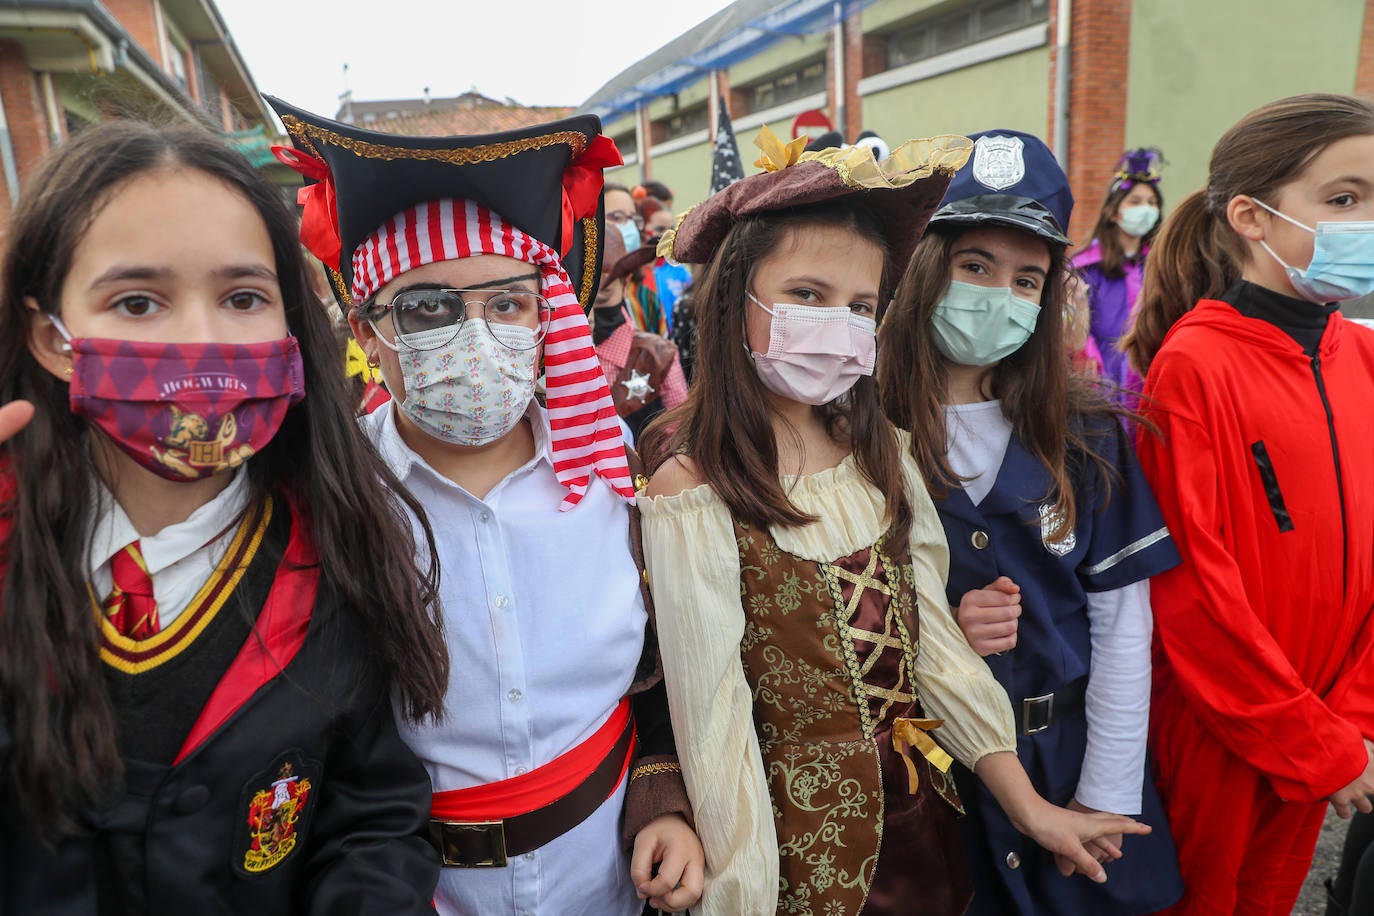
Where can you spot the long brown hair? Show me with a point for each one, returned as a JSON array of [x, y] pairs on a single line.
[[725, 425], [1045, 402], [1198, 255], [52, 691], [1107, 232]]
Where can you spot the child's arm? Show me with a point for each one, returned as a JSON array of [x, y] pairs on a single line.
[[693, 566], [1065, 833], [1118, 699], [367, 849]]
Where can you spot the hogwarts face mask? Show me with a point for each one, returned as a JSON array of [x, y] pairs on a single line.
[[473, 389], [185, 410]]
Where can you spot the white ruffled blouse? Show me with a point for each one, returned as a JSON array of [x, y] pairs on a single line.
[[694, 570]]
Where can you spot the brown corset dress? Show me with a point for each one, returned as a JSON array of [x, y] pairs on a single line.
[[828, 652]]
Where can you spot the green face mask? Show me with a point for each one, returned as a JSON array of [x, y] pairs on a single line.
[[980, 325]]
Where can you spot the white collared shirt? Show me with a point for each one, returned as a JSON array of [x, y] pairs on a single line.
[[180, 557], [545, 626]]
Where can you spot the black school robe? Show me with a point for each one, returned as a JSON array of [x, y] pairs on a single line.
[[278, 784]]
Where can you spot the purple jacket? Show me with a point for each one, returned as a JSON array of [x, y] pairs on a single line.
[[1111, 303]]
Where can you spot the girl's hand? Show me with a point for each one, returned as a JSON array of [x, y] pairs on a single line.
[[14, 416], [673, 846], [1074, 836], [1356, 796], [1103, 849], [988, 616]]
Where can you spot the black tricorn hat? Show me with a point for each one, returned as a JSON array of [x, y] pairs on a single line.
[[531, 177]]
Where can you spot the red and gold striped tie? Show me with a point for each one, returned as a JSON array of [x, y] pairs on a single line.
[[131, 606]]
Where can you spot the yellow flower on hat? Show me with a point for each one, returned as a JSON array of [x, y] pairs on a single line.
[[776, 156]]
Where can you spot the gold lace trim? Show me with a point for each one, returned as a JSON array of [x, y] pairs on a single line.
[[489, 152], [654, 769]]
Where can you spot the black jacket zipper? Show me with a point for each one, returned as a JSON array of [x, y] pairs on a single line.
[[1335, 454]]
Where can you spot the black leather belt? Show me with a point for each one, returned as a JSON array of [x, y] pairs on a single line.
[[1035, 714], [490, 844]]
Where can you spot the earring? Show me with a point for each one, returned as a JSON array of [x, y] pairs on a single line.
[[373, 362], [68, 370]]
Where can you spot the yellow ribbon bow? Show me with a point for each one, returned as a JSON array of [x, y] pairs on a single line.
[[355, 363], [909, 733], [776, 156]]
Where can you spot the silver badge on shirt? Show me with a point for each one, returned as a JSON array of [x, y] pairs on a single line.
[[1051, 520], [998, 162]]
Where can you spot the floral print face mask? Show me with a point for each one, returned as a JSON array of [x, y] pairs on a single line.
[[472, 390]]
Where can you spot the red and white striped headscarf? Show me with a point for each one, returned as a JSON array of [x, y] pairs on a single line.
[[586, 429]]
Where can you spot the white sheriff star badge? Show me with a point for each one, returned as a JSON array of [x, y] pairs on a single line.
[[637, 385]]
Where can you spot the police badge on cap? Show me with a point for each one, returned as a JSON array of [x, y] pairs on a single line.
[[1012, 179], [998, 161]]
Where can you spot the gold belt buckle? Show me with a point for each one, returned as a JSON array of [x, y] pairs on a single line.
[[454, 840]]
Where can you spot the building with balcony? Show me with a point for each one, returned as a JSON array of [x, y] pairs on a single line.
[[65, 64]]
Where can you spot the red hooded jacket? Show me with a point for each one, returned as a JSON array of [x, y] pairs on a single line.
[[1264, 471]]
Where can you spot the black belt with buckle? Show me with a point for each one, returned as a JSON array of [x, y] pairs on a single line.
[[1035, 714], [490, 844]]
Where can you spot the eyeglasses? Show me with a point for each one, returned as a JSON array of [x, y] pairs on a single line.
[[620, 217], [426, 319]]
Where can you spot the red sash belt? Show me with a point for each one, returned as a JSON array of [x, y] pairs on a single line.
[[483, 825]]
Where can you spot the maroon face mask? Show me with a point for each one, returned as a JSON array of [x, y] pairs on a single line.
[[186, 410]]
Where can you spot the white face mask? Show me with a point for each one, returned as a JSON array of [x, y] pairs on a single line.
[[1138, 220], [473, 389]]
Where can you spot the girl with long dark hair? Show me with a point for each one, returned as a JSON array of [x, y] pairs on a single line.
[[209, 599], [797, 564], [1113, 263], [1053, 533]]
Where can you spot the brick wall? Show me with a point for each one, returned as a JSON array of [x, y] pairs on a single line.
[[1099, 47], [139, 19], [854, 63], [1364, 72], [24, 113]]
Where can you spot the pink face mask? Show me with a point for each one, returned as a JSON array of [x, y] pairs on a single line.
[[815, 353]]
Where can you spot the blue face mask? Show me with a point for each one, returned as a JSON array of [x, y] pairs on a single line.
[[630, 233], [980, 325], [1342, 265]]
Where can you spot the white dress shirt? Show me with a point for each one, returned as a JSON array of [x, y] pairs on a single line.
[[545, 626], [180, 557]]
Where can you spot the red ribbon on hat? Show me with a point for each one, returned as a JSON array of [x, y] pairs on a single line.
[[320, 218], [582, 183]]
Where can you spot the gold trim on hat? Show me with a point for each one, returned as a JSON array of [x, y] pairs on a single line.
[[665, 241], [468, 155], [589, 276]]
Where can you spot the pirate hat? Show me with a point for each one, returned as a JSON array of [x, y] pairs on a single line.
[[901, 191], [545, 180], [1012, 180]]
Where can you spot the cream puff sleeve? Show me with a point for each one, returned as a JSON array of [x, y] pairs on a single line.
[[694, 574]]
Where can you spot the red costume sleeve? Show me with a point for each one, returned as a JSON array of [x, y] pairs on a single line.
[[1228, 666]]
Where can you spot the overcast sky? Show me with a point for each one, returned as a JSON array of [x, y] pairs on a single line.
[[538, 52]]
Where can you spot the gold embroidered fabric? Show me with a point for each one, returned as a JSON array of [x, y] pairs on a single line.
[[829, 654]]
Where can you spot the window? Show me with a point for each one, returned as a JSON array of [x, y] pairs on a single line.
[[626, 144], [686, 122], [968, 25], [788, 87]]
